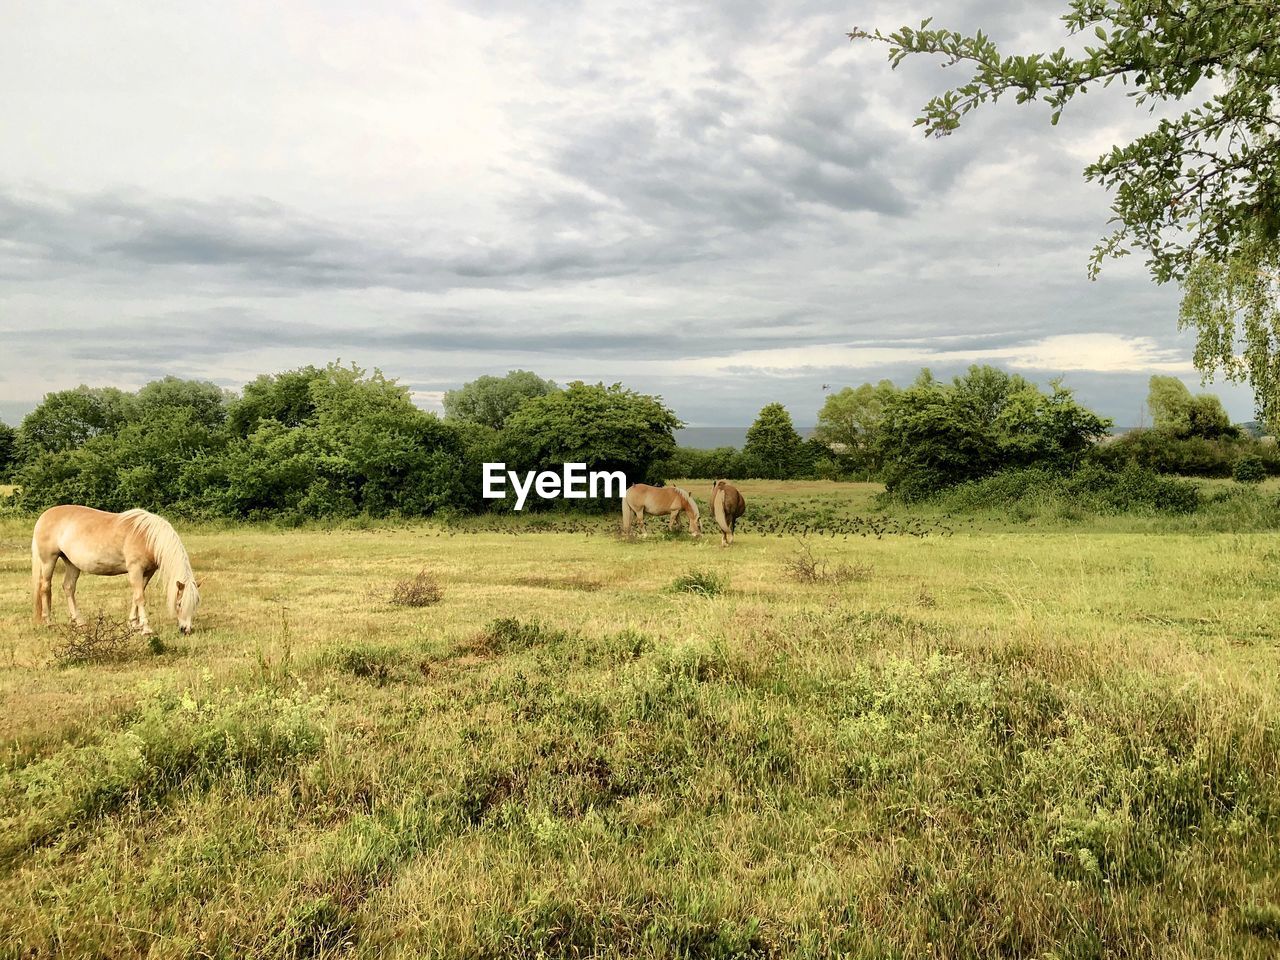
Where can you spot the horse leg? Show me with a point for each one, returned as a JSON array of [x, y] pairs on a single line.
[[138, 580], [640, 520], [69, 577], [42, 587], [674, 518], [134, 606]]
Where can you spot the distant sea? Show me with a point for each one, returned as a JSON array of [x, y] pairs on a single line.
[[708, 438]]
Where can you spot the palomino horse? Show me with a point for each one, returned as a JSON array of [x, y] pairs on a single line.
[[93, 541], [727, 506], [642, 498]]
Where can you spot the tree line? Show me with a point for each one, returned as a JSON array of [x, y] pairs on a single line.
[[340, 441], [317, 443]]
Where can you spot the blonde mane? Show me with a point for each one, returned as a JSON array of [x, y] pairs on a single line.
[[688, 498], [170, 555]]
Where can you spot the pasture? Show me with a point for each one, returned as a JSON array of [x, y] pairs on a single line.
[[954, 741]]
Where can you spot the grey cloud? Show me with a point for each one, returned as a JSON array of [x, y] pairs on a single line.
[[675, 180]]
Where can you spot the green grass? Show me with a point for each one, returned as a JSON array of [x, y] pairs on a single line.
[[1014, 740]]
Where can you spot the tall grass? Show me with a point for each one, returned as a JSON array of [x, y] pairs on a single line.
[[1070, 751]]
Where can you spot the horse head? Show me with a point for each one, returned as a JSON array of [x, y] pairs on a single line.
[[691, 508], [188, 599]]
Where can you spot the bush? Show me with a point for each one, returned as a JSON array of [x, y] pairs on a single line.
[[1134, 489], [1094, 488], [1250, 469], [308, 444], [420, 590], [102, 639], [688, 463], [611, 428], [803, 567], [1165, 452]]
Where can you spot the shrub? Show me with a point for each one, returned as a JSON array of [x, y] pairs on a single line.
[[103, 639], [420, 590], [706, 583], [803, 567], [1249, 469], [1134, 489], [1193, 456], [1094, 487]]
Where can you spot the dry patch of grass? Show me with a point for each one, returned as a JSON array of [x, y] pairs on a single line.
[[574, 581]]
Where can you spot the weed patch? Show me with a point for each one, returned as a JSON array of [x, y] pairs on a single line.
[[380, 665], [173, 743], [509, 634], [704, 583]]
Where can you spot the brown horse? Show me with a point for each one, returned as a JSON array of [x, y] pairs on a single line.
[[642, 498], [93, 541], [727, 506]]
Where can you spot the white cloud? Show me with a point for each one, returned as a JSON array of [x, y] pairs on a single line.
[[1097, 352]]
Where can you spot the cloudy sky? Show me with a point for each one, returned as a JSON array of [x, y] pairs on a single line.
[[724, 203]]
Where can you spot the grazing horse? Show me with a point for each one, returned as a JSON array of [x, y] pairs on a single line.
[[727, 506], [642, 498], [93, 541]]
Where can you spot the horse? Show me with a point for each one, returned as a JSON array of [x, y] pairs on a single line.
[[727, 506], [642, 498], [135, 542]]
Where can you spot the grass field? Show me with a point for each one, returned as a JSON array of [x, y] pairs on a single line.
[[995, 742]]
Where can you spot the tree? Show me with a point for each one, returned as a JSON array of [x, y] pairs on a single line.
[[363, 448], [773, 448], [1176, 411], [147, 462], [490, 401], [206, 401], [282, 397], [936, 435], [850, 420], [8, 450], [693, 464], [607, 428], [1199, 193], [68, 418]]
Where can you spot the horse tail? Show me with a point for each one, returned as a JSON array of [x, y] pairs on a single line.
[[717, 508], [626, 515]]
